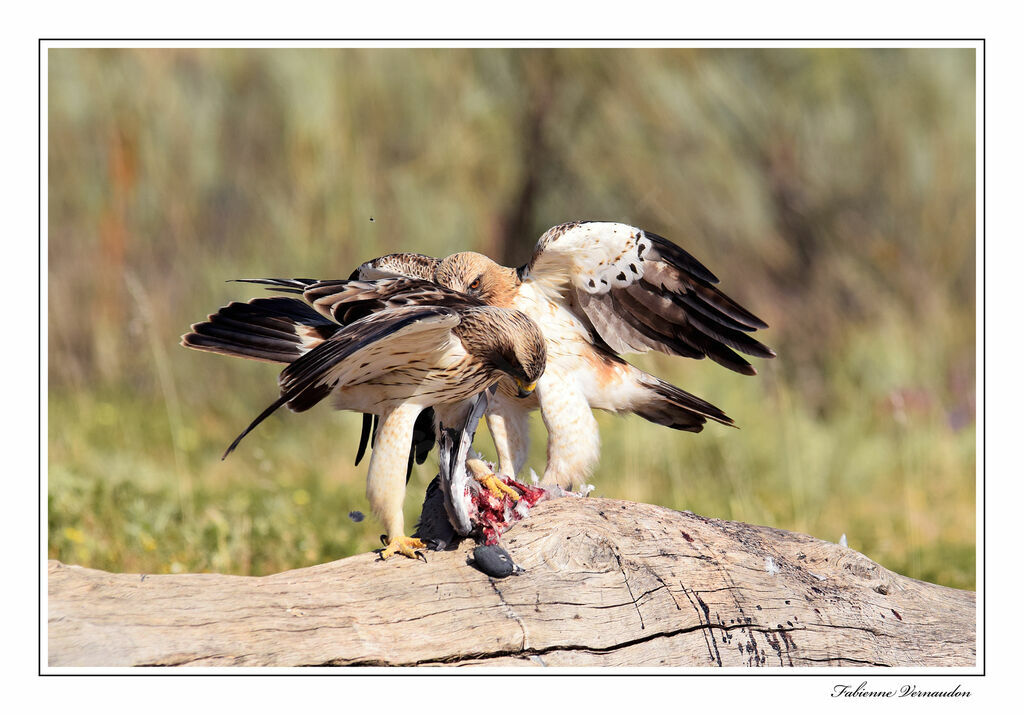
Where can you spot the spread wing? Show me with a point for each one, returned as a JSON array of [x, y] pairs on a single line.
[[274, 329], [364, 350], [642, 292], [352, 300]]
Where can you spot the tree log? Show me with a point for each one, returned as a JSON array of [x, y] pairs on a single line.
[[606, 582]]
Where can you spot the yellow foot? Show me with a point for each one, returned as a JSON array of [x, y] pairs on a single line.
[[497, 487], [404, 545], [491, 481]]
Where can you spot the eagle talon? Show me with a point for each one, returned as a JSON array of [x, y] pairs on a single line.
[[490, 480], [498, 488], [406, 546]]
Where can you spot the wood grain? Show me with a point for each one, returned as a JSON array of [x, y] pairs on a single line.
[[606, 582]]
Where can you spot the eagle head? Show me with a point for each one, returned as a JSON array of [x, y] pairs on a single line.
[[508, 341], [478, 276]]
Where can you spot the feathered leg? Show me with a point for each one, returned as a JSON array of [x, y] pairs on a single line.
[[574, 444], [509, 426], [385, 481]]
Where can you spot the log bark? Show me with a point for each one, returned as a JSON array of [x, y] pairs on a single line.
[[606, 582]]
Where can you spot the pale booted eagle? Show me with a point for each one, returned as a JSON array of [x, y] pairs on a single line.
[[597, 289], [380, 348]]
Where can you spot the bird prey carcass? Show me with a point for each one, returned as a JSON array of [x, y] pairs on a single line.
[[597, 289], [459, 503], [390, 348]]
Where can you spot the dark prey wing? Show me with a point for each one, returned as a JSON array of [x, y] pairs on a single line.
[[314, 375], [642, 292]]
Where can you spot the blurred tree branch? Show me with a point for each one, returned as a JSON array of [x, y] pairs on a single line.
[[513, 237]]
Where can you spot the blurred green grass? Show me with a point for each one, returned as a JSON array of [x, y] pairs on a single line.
[[831, 190]]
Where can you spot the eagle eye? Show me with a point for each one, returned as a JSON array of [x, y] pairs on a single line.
[[475, 284]]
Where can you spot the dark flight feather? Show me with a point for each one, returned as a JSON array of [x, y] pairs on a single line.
[[262, 329], [669, 406]]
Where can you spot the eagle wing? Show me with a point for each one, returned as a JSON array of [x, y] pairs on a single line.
[[364, 350], [277, 330], [410, 265], [641, 292], [346, 301]]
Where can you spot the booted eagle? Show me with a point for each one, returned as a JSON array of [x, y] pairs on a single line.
[[597, 289], [390, 348]]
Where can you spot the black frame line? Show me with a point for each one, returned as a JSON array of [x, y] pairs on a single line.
[[402, 671]]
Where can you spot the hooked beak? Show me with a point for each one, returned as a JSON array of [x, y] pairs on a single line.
[[525, 388]]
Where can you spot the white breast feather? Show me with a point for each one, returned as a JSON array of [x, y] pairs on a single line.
[[563, 332]]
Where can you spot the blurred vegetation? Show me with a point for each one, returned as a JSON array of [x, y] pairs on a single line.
[[833, 191]]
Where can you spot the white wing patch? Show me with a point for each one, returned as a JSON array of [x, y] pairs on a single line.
[[594, 256]]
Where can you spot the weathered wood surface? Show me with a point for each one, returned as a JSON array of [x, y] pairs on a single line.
[[606, 583]]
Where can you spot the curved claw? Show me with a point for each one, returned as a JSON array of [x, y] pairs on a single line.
[[490, 480], [498, 488], [404, 545]]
